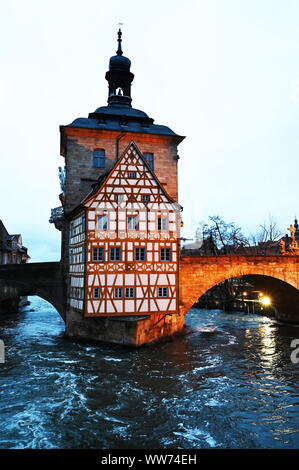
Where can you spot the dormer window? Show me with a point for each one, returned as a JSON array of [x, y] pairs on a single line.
[[149, 157], [99, 158]]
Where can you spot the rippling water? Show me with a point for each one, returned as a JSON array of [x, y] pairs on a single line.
[[236, 388]]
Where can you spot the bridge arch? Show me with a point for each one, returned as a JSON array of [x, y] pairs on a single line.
[[23, 289], [42, 279], [276, 275]]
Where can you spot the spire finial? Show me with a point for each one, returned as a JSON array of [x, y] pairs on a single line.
[[119, 76], [119, 33]]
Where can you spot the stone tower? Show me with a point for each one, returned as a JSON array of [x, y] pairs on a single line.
[[92, 146]]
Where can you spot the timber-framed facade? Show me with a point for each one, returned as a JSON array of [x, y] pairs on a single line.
[[131, 253]]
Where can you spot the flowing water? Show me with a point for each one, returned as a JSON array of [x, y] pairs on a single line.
[[236, 388]]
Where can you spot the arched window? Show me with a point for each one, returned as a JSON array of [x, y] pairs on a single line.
[[99, 158]]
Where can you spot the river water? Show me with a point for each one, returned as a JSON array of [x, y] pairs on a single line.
[[236, 388]]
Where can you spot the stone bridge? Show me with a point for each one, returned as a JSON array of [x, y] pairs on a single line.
[[278, 276], [42, 279]]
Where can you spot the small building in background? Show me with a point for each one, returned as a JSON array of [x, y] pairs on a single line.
[[12, 251]]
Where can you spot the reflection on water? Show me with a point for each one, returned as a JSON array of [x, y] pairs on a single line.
[[235, 388]]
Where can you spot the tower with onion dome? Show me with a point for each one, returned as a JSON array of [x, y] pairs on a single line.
[[120, 269]]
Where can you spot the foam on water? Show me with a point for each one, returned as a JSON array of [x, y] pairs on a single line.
[[233, 388]]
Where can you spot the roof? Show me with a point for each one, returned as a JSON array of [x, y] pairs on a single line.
[[121, 117], [5, 237], [98, 184], [13, 236]]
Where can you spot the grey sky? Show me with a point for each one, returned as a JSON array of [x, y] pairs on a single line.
[[223, 73]]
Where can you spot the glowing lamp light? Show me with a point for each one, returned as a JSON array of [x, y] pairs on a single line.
[[266, 301], [244, 293]]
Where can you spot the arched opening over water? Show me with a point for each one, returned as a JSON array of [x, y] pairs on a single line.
[[43, 313], [42, 279], [253, 293], [34, 327], [18, 289]]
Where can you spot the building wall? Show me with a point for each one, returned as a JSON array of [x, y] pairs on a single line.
[[145, 277], [76, 254], [129, 331], [10, 298], [78, 152], [105, 275]]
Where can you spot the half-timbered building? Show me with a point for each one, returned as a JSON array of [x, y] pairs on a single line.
[[131, 250], [120, 219]]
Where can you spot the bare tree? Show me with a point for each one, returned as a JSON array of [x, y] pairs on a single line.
[[227, 237], [266, 239]]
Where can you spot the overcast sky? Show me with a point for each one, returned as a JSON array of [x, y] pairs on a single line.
[[224, 73]]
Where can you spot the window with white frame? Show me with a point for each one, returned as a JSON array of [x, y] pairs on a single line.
[[118, 292], [165, 254], [162, 223], [140, 254], [98, 253], [102, 222], [115, 253], [132, 222], [129, 292], [162, 291]]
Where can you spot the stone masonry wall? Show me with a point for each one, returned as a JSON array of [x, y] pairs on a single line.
[[129, 331], [199, 273], [80, 172]]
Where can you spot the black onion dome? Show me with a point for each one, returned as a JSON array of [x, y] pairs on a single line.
[[119, 115], [119, 62]]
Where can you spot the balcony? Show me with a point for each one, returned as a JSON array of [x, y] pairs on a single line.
[[57, 217]]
